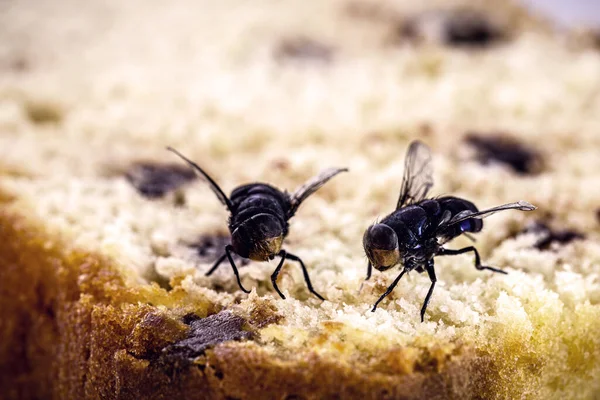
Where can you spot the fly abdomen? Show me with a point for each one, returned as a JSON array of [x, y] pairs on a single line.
[[254, 199], [456, 205], [243, 193], [250, 212]]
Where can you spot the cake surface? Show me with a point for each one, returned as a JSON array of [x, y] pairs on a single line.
[[106, 236]]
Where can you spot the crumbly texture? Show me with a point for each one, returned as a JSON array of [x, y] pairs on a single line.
[[99, 278]]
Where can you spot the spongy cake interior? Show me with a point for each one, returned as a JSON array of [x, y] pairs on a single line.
[[148, 76]]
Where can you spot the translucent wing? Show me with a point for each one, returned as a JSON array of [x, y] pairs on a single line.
[[213, 185], [464, 215], [312, 186], [418, 174]]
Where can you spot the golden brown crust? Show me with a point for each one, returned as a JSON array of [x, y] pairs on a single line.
[[246, 373], [72, 329]]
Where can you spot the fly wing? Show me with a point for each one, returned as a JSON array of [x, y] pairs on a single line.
[[213, 185], [418, 174], [464, 215], [311, 186]]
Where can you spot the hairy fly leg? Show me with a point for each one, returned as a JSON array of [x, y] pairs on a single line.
[[293, 257], [449, 252], [285, 255], [275, 274], [228, 251], [216, 265], [431, 272], [389, 290]]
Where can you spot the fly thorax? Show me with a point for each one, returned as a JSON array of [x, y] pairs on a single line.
[[420, 253]]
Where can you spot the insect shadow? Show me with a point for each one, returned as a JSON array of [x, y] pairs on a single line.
[[258, 221], [415, 232]]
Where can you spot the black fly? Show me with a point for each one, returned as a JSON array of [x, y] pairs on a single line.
[[414, 233], [258, 221]]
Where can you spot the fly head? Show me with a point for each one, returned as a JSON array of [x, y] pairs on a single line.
[[381, 246], [258, 238]]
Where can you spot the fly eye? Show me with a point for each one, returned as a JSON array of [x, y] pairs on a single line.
[[272, 256]]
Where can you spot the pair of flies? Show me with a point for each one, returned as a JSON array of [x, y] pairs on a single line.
[[412, 235]]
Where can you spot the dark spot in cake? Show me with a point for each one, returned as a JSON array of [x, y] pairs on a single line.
[[505, 150], [370, 11], [280, 164], [455, 28], [548, 236], [179, 199], [44, 304], [561, 237], [303, 49], [19, 64], [469, 28], [190, 317], [294, 397], [162, 281], [432, 360], [210, 247], [155, 180], [592, 37], [43, 112], [425, 130], [207, 332]]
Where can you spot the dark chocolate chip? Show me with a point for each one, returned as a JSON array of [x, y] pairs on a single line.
[[548, 236], [155, 180], [562, 237], [20, 64], [505, 150], [210, 247], [208, 332], [537, 227], [43, 112], [371, 11], [470, 28], [190, 317], [456, 28], [303, 49], [595, 38]]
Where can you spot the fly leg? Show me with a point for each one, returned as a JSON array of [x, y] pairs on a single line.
[[228, 250], [369, 270], [216, 265], [285, 255], [389, 290], [275, 274], [448, 252], [431, 272]]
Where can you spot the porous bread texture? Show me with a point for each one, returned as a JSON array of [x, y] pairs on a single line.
[[204, 79]]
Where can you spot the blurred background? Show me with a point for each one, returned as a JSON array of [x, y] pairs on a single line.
[[568, 13], [281, 89]]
